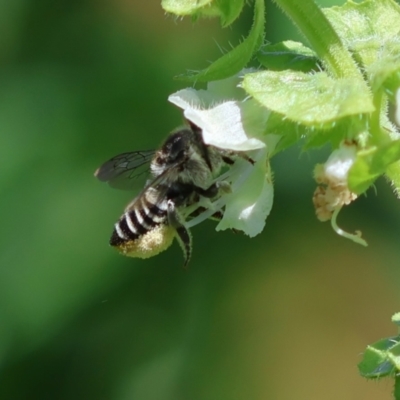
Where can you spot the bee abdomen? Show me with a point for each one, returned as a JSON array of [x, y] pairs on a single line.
[[137, 222]]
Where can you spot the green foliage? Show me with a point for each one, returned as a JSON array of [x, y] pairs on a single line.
[[336, 91], [187, 7], [235, 60], [367, 28], [382, 358], [376, 360], [85, 80], [230, 10], [315, 100], [358, 47], [227, 10], [288, 55], [372, 163]]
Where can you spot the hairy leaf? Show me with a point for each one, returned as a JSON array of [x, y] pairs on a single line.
[[185, 7], [309, 99], [365, 27], [375, 362], [235, 60], [230, 10], [372, 163], [288, 55]]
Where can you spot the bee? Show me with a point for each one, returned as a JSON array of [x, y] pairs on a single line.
[[182, 172]]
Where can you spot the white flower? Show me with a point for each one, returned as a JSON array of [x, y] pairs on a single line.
[[232, 123], [332, 192], [221, 124], [250, 202], [339, 163]]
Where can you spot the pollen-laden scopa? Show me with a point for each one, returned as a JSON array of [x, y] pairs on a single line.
[[182, 173]]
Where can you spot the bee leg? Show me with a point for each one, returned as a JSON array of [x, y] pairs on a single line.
[[209, 193], [215, 189], [229, 159], [182, 233]]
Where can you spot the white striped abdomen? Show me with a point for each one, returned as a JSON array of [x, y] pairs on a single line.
[[140, 218]]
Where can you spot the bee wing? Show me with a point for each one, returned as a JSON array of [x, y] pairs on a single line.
[[161, 183], [126, 170]]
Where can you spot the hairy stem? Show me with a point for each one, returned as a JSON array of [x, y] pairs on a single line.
[[316, 28]]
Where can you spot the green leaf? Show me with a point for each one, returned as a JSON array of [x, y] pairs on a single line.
[[288, 55], [394, 356], [185, 7], [384, 74], [324, 40], [393, 174], [310, 99], [334, 135], [227, 10], [370, 164], [365, 27], [385, 156], [293, 133], [235, 60], [375, 362], [360, 177], [382, 358]]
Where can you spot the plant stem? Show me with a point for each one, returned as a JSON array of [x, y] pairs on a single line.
[[316, 28]]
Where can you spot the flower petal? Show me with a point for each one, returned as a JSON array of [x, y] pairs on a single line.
[[249, 205], [223, 124], [223, 127], [339, 163], [190, 98]]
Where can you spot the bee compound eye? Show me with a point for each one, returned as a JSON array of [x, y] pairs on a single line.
[[177, 149]]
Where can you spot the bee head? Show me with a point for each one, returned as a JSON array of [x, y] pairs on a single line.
[[175, 148]]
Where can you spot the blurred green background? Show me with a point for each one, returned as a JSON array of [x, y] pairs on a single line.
[[285, 315]]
